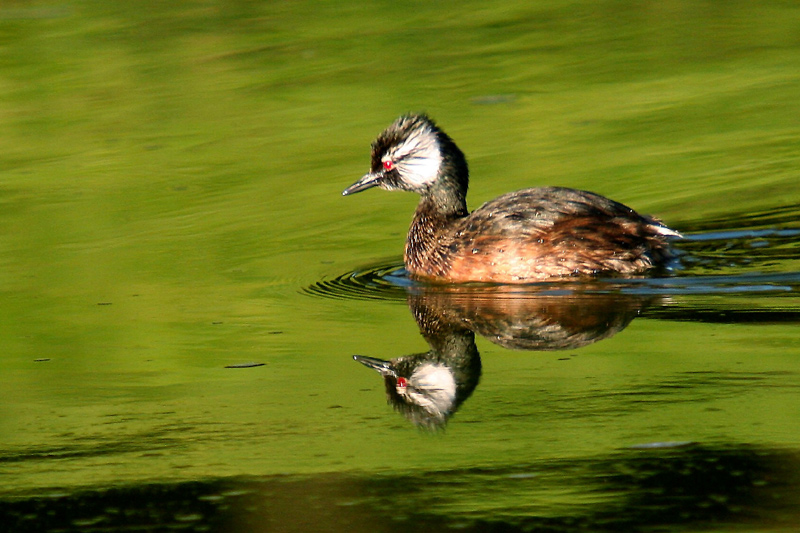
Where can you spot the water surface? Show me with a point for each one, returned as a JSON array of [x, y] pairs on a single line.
[[185, 288]]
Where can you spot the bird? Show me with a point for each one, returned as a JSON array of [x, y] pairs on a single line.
[[530, 235]]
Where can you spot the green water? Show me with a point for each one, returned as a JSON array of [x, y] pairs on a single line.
[[170, 183]]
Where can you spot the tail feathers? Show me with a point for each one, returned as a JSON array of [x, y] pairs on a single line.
[[667, 232], [659, 228]]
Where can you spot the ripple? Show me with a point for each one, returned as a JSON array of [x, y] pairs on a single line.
[[785, 216], [384, 281], [730, 262], [742, 234], [740, 253]]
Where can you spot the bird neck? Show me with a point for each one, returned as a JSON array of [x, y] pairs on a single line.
[[434, 216], [447, 197]]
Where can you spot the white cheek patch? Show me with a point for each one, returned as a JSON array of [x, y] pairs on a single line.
[[435, 387], [418, 159]]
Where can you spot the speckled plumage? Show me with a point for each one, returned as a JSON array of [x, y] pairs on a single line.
[[528, 235]]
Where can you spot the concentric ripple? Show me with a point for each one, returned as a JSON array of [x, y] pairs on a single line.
[[385, 281]]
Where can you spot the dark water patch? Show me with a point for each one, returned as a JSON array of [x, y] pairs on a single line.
[[166, 438], [649, 485], [727, 316]]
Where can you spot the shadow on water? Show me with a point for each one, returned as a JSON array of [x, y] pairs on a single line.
[[427, 388], [682, 486]]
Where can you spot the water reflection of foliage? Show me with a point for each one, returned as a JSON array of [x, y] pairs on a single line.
[[656, 487]]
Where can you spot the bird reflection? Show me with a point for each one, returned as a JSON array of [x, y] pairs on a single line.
[[428, 388]]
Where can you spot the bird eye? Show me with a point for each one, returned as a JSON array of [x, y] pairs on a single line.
[[388, 164]]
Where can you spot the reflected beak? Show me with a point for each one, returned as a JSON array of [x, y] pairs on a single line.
[[384, 367], [369, 180]]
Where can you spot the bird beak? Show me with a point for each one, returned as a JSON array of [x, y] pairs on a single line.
[[370, 179], [384, 367]]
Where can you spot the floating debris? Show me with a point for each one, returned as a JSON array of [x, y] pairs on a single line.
[[245, 365]]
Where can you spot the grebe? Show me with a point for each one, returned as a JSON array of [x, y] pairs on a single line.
[[524, 236]]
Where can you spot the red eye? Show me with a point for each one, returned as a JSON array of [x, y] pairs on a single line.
[[401, 382], [388, 164]]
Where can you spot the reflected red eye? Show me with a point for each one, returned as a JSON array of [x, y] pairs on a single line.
[[388, 164], [401, 382]]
